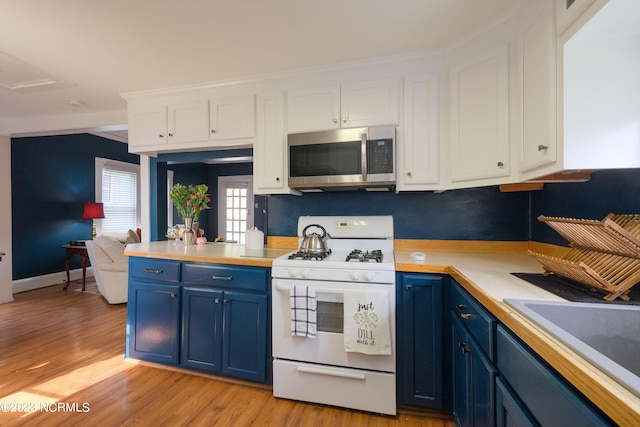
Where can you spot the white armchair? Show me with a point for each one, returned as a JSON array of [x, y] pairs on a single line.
[[110, 268]]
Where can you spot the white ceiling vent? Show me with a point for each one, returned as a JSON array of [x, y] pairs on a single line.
[[20, 76]]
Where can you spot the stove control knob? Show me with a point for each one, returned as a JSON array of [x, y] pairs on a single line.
[[305, 273], [354, 275], [293, 272], [368, 276]]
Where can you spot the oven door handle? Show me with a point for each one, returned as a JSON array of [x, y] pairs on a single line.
[[285, 288], [332, 372]]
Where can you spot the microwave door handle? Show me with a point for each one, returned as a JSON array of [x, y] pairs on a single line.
[[363, 159]]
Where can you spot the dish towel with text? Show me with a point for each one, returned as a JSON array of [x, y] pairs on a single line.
[[366, 322], [303, 311]]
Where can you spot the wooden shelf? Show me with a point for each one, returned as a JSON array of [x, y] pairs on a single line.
[[605, 254]]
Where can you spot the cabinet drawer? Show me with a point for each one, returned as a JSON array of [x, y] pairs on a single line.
[[547, 396], [156, 270], [480, 324], [224, 276]]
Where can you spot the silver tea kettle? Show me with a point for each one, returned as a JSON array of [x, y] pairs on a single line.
[[314, 243]]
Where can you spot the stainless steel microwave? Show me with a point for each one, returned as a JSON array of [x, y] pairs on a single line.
[[343, 158]]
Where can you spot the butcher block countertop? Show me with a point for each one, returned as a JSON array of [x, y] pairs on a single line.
[[218, 253], [487, 276]]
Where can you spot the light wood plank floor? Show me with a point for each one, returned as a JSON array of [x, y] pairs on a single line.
[[62, 363]]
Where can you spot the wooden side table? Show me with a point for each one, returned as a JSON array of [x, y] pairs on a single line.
[[84, 256]]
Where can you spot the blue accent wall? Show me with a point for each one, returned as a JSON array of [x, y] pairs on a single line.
[[475, 214], [51, 178], [608, 191]]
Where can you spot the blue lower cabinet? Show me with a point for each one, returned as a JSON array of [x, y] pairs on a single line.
[[540, 391], [207, 317], [153, 322], [420, 342], [225, 332], [510, 412], [202, 329], [473, 380], [244, 348]]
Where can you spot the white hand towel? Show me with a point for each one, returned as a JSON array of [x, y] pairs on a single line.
[[302, 301], [366, 322]]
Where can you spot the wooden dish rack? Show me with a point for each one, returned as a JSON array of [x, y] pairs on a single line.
[[604, 254]]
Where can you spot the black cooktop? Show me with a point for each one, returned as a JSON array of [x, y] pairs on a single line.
[[573, 291]]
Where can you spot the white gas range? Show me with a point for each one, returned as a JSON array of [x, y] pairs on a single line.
[[349, 358]]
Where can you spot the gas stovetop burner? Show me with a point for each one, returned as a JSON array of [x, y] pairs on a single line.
[[358, 255], [307, 256]]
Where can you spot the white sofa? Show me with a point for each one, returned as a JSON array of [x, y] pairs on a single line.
[[110, 268]]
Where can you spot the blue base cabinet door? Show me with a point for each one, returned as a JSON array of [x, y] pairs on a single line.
[[154, 322], [202, 329], [245, 336], [225, 332], [420, 340], [510, 412], [474, 379]]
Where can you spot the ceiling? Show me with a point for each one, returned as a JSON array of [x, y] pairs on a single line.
[[75, 57]]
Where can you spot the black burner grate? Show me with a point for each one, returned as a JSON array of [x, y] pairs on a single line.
[[358, 255]]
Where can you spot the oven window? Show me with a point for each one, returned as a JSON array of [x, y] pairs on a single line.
[[330, 317]]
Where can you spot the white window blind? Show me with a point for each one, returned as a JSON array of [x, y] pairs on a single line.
[[118, 190]]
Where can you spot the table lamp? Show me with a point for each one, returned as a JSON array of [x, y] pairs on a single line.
[[93, 211]]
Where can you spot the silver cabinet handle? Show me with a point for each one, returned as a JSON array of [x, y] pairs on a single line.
[[462, 314], [407, 287], [335, 120], [500, 164], [161, 136], [344, 120], [227, 278], [213, 131], [542, 147], [170, 134], [409, 174], [154, 271], [173, 294], [463, 347], [217, 300]]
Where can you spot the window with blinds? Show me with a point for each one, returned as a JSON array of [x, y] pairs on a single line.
[[118, 190]]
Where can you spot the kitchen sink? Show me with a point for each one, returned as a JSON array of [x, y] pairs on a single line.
[[607, 335]]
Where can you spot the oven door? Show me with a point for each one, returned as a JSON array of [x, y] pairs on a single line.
[[328, 346]]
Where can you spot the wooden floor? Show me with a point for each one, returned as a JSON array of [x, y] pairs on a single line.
[[62, 363]]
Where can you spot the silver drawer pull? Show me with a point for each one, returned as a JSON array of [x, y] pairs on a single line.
[[462, 315], [154, 271], [227, 278]]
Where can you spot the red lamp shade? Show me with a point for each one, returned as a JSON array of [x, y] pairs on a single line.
[[93, 211]]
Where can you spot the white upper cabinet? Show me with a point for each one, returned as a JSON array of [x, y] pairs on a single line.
[[269, 150], [601, 87], [147, 126], [314, 109], [418, 148], [232, 117], [369, 103], [479, 115], [346, 105], [188, 121], [537, 83]]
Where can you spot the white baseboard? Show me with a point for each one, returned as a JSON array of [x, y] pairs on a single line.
[[37, 282]]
